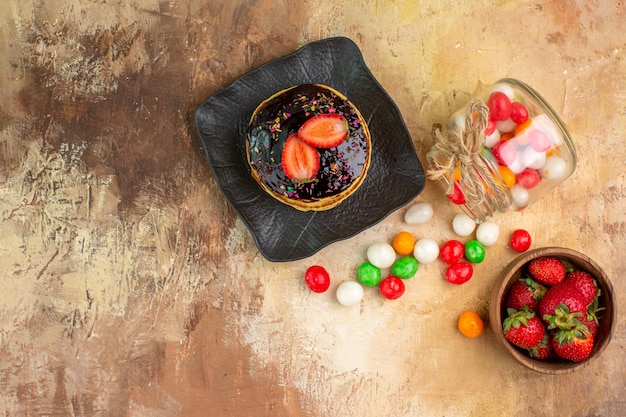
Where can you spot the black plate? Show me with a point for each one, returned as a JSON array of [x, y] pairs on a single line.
[[282, 233]]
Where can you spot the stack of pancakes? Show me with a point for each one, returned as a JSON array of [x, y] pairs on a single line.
[[342, 168]]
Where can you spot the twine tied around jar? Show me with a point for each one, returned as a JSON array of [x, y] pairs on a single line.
[[461, 149]]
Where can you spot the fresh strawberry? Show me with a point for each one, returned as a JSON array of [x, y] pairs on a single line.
[[544, 349], [585, 284], [547, 270], [563, 319], [525, 292], [574, 344], [300, 161], [562, 303], [523, 328], [591, 319], [325, 130]]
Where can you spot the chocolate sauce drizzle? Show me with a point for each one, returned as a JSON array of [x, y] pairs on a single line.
[[282, 115]]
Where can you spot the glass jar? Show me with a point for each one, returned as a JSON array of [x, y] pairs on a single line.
[[502, 151]]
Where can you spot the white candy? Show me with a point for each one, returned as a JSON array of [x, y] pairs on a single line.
[[520, 196], [457, 121], [517, 165], [463, 225], [349, 293], [426, 251], [505, 126], [381, 255], [554, 168], [487, 233], [493, 139], [533, 159], [418, 213], [504, 88]]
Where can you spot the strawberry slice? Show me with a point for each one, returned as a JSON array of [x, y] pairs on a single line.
[[300, 161], [325, 130]]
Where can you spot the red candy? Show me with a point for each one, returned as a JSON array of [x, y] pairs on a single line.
[[452, 251], [491, 127], [317, 278], [459, 273], [519, 112], [499, 106], [457, 196], [528, 178], [392, 287], [520, 240]]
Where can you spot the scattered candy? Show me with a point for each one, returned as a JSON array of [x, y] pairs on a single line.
[[369, 274], [463, 225], [452, 251], [426, 251], [520, 240], [349, 293], [317, 278], [403, 243], [418, 213], [474, 251], [459, 273], [487, 233], [382, 254], [470, 324], [392, 287], [405, 267]]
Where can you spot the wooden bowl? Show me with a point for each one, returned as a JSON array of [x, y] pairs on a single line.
[[607, 317]]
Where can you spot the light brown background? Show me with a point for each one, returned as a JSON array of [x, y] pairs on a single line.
[[128, 285]]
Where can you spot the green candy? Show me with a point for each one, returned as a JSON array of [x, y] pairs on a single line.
[[474, 251], [369, 274], [405, 267]]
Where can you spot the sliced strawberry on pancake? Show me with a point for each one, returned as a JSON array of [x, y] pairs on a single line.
[[325, 130], [300, 160]]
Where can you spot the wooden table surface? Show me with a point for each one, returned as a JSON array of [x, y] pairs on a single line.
[[129, 285]]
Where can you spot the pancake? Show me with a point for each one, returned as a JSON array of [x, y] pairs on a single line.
[[342, 168]]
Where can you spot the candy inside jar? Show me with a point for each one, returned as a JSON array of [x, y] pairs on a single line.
[[502, 151]]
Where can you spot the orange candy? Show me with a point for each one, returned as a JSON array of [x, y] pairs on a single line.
[[470, 324], [507, 175], [457, 174], [403, 243], [506, 136], [522, 126]]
